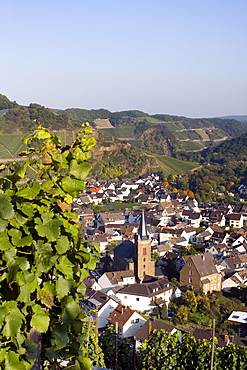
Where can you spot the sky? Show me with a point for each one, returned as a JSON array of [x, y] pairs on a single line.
[[179, 57]]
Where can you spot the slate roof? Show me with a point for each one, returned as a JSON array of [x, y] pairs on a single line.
[[118, 276], [125, 250], [204, 263], [223, 339], [142, 333], [98, 299], [148, 289]]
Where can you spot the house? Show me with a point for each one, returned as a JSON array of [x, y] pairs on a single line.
[[233, 281], [193, 218], [234, 263], [116, 278], [150, 325], [219, 237], [111, 217], [239, 317], [222, 339], [217, 217], [101, 303], [163, 248], [202, 237], [145, 296], [199, 272], [128, 321], [235, 220], [216, 250]]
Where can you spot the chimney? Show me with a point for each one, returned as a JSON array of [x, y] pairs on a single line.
[[122, 309], [226, 338]]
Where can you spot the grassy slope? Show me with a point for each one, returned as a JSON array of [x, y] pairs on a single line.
[[171, 165]]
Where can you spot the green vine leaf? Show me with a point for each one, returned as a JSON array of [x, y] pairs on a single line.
[[63, 286], [63, 244], [6, 207], [40, 319], [79, 170], [49, 230], [72, 186], [13, 362], [29, 192]]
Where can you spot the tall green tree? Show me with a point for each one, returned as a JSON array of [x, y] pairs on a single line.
[[43, 257]]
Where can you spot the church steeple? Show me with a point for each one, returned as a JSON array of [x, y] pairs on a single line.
[[142, 230], [144, 265]]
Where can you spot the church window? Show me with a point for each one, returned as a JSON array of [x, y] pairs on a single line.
[[144, 250]]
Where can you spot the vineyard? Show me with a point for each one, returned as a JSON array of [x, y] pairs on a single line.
[[11, 144]]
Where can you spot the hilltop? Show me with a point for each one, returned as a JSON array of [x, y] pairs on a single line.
[[111, 157], [161, 133]]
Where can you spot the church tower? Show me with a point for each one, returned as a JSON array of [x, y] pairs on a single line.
[[144, 265]]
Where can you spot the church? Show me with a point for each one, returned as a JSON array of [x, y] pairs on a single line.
[[136, 256]]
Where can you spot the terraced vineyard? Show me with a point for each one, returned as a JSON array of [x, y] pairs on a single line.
[[11, 144], [171, 165]]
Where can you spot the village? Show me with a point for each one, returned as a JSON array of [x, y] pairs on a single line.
[[158, 251]]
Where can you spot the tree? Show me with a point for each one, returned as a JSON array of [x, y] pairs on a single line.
[[44, 258], [164, 312], [191, 300], [183, 313]]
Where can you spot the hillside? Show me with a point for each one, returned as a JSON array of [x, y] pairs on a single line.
[[111, 157], [237, 118], [234, 149], [161, 133], [19, 119], [114, 158]]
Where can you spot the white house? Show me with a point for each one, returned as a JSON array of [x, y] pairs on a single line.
[[235, 220], [144, 297], [103, 304], [116, 278], [129, 321]]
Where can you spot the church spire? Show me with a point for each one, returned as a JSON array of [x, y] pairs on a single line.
[[142, 230]]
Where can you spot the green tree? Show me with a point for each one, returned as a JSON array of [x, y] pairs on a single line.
[[44, 258], [183, 313], [164, 312], [190, 300]]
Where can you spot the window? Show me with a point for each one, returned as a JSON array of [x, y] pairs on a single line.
[[137, 299], [190, 272], [190, 280], [144, 266], [144, 250], [189, 264], [136, 321], [125, 296], [144, 259]]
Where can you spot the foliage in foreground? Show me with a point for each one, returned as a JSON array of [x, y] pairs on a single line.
[[42, 260], [164, 351], [107, 342]]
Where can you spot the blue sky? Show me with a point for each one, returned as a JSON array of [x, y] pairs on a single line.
[[182, 57]]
